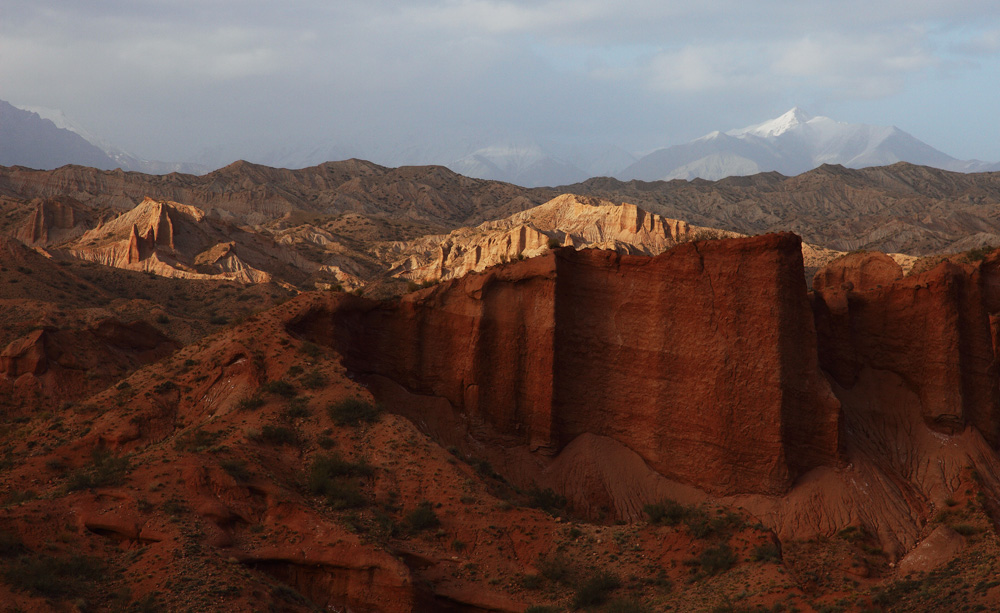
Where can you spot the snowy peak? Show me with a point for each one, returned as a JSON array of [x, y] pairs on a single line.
[[790, 144], [777, 126]]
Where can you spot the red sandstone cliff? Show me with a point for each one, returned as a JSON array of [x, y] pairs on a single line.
[[700, 360]]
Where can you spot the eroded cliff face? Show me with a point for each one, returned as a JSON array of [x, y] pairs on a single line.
[[701, 360], [64, 365], [707, 371]]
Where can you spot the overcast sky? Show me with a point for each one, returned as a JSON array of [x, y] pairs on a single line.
[[168, 79]]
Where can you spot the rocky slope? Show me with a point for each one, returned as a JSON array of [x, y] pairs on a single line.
[[254, 194], [696, 425], [899, 208]]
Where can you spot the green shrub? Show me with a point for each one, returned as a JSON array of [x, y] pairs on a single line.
[[166, 386], [666, 513], [237, 469], [336, 479], [353, 411], [276, 435], [546, 500], [702, 525], [717, 559], [281, 388], [979, 253], [626, 605], [423, 517], [966, 529], [196, 441], [485, 469], [297, 408], [313, 380], [766, 552], [556, 568], [53, 577], [10, 545], [532, 582], [250, 403], [104, 470], [311, 349], [595, 590]]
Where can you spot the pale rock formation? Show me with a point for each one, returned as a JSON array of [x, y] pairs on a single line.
[[568, 220]]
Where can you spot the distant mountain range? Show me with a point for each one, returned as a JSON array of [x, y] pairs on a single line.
[[790, 144], [44, 138]]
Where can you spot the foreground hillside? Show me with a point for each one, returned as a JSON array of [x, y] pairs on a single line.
[[580, 430]]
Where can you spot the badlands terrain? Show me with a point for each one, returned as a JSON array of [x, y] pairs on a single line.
[[351, 387]]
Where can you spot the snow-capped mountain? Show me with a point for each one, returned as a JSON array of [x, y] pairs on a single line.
[[791, 144]]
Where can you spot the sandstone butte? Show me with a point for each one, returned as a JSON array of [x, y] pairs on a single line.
[[861, 403]]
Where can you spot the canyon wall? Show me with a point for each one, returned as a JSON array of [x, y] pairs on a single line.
[[702, 360]]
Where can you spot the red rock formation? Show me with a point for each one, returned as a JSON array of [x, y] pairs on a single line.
[[64, 364], [858, 271], [55, 219], [701, 360], [932, 330]]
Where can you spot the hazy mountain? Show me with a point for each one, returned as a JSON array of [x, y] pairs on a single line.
[[26, 139], [120, 158], [792, 144]]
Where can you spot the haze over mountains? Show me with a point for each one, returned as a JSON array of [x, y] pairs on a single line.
[[791, 144]]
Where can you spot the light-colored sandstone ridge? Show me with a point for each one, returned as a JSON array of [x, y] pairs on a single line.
[[571, 220], [701, 359], [568, 220], [176, 240]]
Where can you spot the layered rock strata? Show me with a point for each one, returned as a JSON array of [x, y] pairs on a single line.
[[702, 360]]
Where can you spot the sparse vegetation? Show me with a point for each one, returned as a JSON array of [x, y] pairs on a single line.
[[237, 469], [556, 568], [595, 590], [314, 380], [353, 412], [196, 441], [666, 513], [53, 577], [336, 479], [104, 470], [766, 552], [422, 517], [546, 500], [274, 435], [281, 388], [717, 559], [979, 253], [250, 403]]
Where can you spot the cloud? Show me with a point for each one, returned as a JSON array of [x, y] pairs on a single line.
[[867, 66], [224, 70], [980, 43]]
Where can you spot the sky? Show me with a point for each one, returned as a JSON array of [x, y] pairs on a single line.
[[176, 79]]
